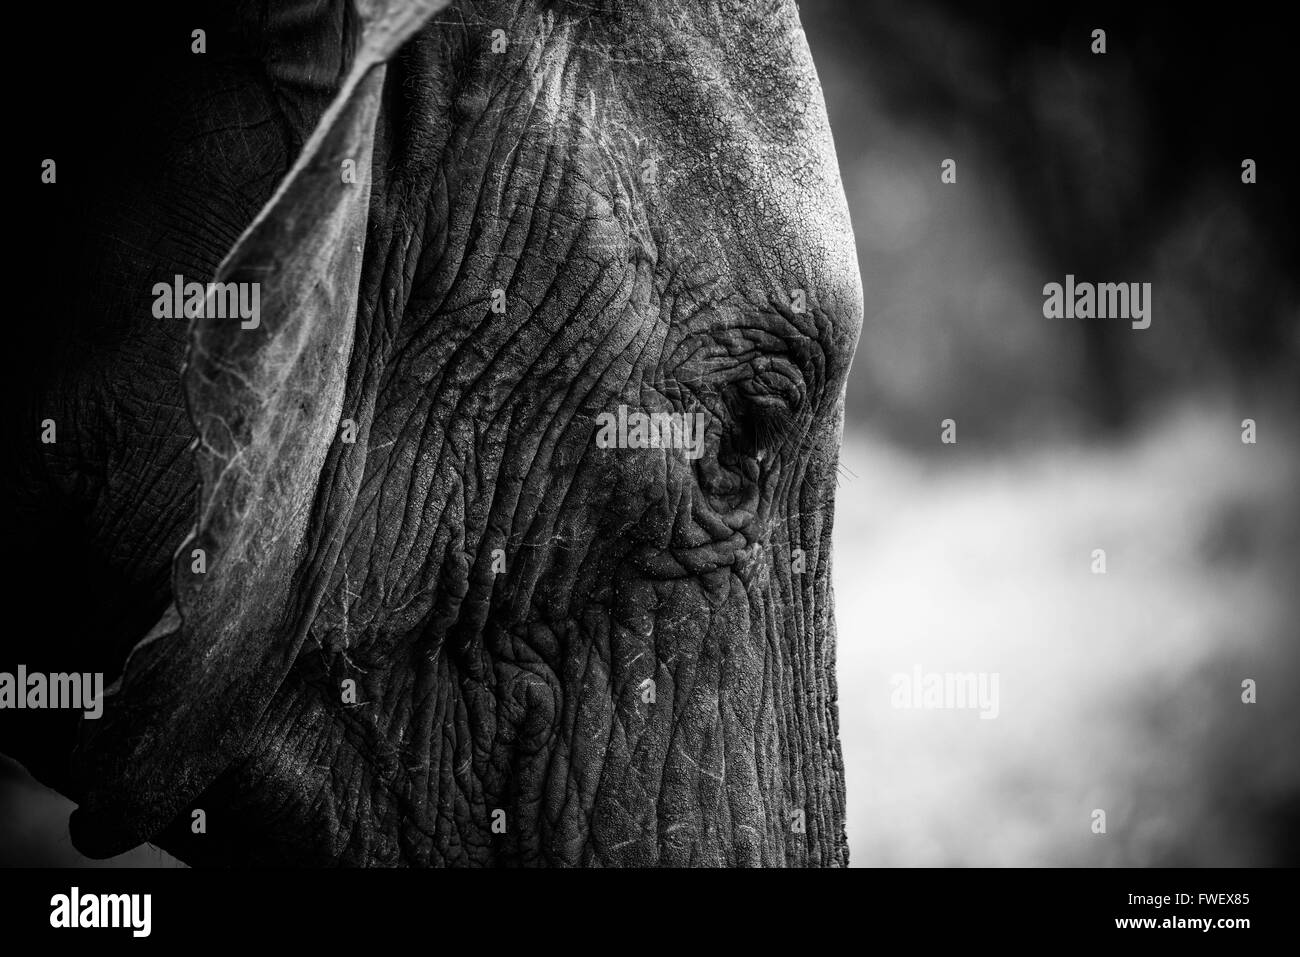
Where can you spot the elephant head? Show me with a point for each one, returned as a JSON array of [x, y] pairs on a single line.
[[501, 533]]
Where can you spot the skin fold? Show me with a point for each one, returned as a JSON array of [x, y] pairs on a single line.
[[652, 188]]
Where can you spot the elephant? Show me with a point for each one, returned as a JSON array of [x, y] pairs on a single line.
[[312, 438]]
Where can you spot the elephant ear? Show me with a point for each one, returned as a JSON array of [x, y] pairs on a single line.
[[265, 402]]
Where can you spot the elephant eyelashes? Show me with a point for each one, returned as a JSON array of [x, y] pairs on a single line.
[[764, 408], [762, 425], [758, 428]]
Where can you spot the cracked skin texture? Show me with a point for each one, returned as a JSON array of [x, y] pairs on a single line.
[[649, 183]]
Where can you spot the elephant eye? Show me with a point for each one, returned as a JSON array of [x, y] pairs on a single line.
[[761, 423]]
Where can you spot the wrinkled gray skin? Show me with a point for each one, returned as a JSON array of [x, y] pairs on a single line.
[[373, 561]]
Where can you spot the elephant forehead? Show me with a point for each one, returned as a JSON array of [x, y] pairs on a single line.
[[726, 97], [583, 141], [750, 179]]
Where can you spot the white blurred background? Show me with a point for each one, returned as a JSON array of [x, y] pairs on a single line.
[[1121, 691]]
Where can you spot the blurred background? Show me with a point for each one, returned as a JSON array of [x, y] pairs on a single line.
[[1118, 691]]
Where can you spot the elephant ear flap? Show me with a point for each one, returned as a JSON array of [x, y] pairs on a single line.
[[264, 384]]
